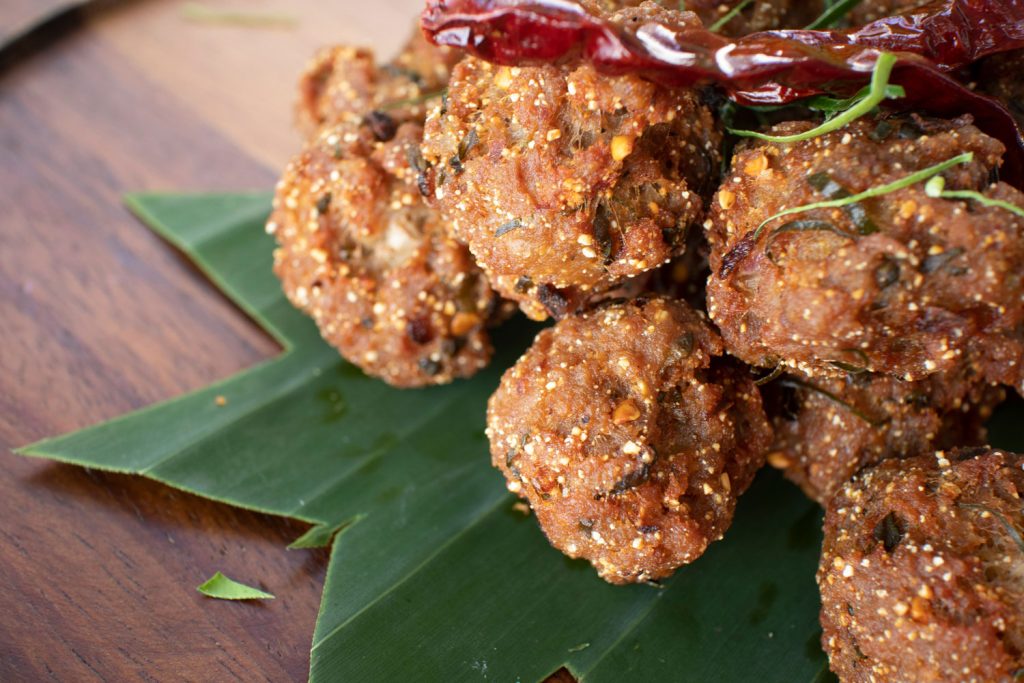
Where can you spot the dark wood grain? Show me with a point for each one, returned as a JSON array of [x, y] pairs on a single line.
[[18, 17], [98, 317]]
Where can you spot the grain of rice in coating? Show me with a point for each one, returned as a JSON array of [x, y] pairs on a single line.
[[903, 284], [564, 182], [343, 85], [922, 571], [630, 436], [828, 429], [373, 266]]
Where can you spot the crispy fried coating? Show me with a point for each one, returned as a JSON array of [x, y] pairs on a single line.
[[565, 183], [922, 571], [374, 266], [903, 284], [343, 85], [629, 435], [827, 429]]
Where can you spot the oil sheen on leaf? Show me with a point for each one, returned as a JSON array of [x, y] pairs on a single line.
[[433, 575]]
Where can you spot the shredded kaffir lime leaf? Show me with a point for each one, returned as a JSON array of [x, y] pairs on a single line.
[[221, 587], [862, 103], [936, 187]]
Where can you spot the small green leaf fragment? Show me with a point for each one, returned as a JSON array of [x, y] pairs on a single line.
[[221, 587], [832, 105], [823, 183]]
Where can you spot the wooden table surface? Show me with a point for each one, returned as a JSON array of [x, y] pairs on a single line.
[[99, 317]]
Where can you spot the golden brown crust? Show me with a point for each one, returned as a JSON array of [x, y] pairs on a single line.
[[629, 435], [342, 84], [565, 183], [374, 266], [915, 285], [922, 571], [827, 429]]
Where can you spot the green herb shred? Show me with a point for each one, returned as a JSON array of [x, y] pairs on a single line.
[[863, 103], [936, 187]]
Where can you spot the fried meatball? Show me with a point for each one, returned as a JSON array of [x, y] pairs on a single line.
[[828, 429], [344, 84], [1002, 77], [922, 571], [903, 284], [374, 266], [564, 182], [629, 435]]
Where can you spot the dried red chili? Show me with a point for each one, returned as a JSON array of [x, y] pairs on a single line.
[[773, 67]]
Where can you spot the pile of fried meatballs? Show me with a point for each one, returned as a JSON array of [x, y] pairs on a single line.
[[858, 349]]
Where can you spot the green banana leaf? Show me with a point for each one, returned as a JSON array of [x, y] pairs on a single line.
[[434, 576]]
